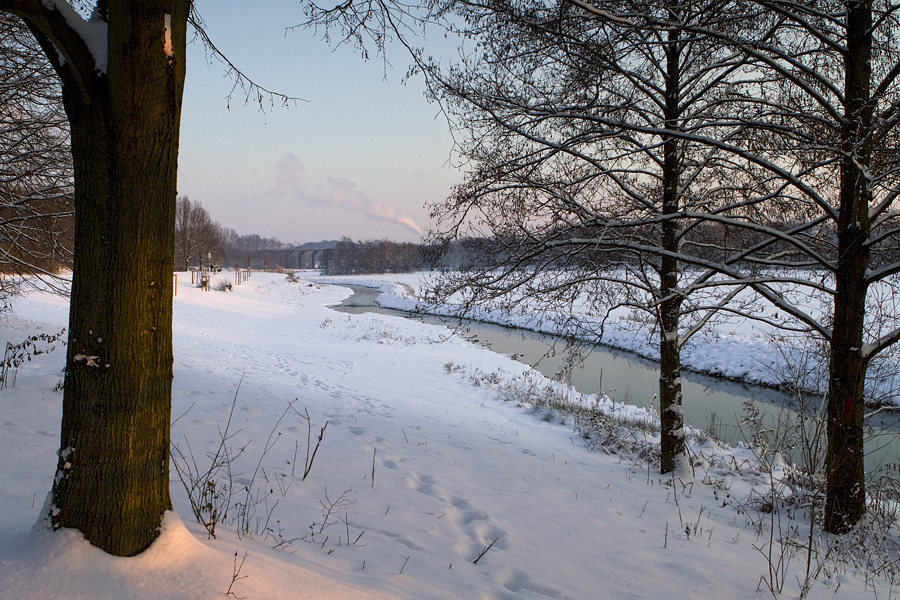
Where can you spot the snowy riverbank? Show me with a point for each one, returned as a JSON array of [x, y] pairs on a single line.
[[423, 464], [734, 348]]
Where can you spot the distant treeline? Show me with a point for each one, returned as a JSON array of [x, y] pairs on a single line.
[[201, 240], [589, 246], [370, 256]]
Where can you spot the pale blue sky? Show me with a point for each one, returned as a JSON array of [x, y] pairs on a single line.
[[360, 157]]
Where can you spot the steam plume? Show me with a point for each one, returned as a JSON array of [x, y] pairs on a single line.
[[289, 181]]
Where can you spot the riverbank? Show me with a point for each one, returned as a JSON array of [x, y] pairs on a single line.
[[736, 349], [431, 481], [709, 403]]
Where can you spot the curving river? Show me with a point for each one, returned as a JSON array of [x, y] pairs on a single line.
[[625, 377]]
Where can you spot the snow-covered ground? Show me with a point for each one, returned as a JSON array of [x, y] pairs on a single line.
[[424, 466]]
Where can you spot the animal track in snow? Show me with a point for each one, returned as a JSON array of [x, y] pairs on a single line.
[[472, 515], [423, 485], [517, 582], [474, 527], [459, 503], [402, 539]]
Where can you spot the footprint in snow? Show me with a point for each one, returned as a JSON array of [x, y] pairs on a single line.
[[460, 503], [423, 485], [483, 535], [470, 516], [518, 582]]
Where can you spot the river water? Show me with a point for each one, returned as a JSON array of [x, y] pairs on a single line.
[[625, 377]]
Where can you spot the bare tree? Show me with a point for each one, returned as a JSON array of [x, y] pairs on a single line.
[[210, 247], [35, 162], [370, 256], [588, 139], [199, 239], [112, 481], [585, 125], [184, 238], [250, 251], [828, 121]]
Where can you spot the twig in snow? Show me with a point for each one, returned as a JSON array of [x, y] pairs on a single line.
[[309, 460], [184, 413], [236, 575], [335, 507], [483, 552]]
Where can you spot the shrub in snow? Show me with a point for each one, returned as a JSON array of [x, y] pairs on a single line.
[[221, 285]]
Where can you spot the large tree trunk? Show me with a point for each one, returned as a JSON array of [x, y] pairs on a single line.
[[112, 481], [845, 500]]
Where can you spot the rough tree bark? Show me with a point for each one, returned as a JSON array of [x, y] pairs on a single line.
[[123, 99]]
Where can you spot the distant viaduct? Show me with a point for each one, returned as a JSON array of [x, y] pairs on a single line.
[[295, 259]]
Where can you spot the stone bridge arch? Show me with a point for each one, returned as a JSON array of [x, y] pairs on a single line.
[[299, 259], [309, 259]]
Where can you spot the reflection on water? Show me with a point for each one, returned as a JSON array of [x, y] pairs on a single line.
[[625, 377]]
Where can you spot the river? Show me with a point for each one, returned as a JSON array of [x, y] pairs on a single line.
[[625, 377]]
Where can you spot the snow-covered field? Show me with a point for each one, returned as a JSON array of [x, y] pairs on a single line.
[[422, 463]]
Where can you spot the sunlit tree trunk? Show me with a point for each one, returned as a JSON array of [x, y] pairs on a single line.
[[112, 481]]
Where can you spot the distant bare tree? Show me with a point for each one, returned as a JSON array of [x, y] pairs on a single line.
[[252, 250], [199, 240]]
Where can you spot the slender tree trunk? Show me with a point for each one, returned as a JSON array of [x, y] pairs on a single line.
[[671, 416], [845, 488], [112, 481]]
